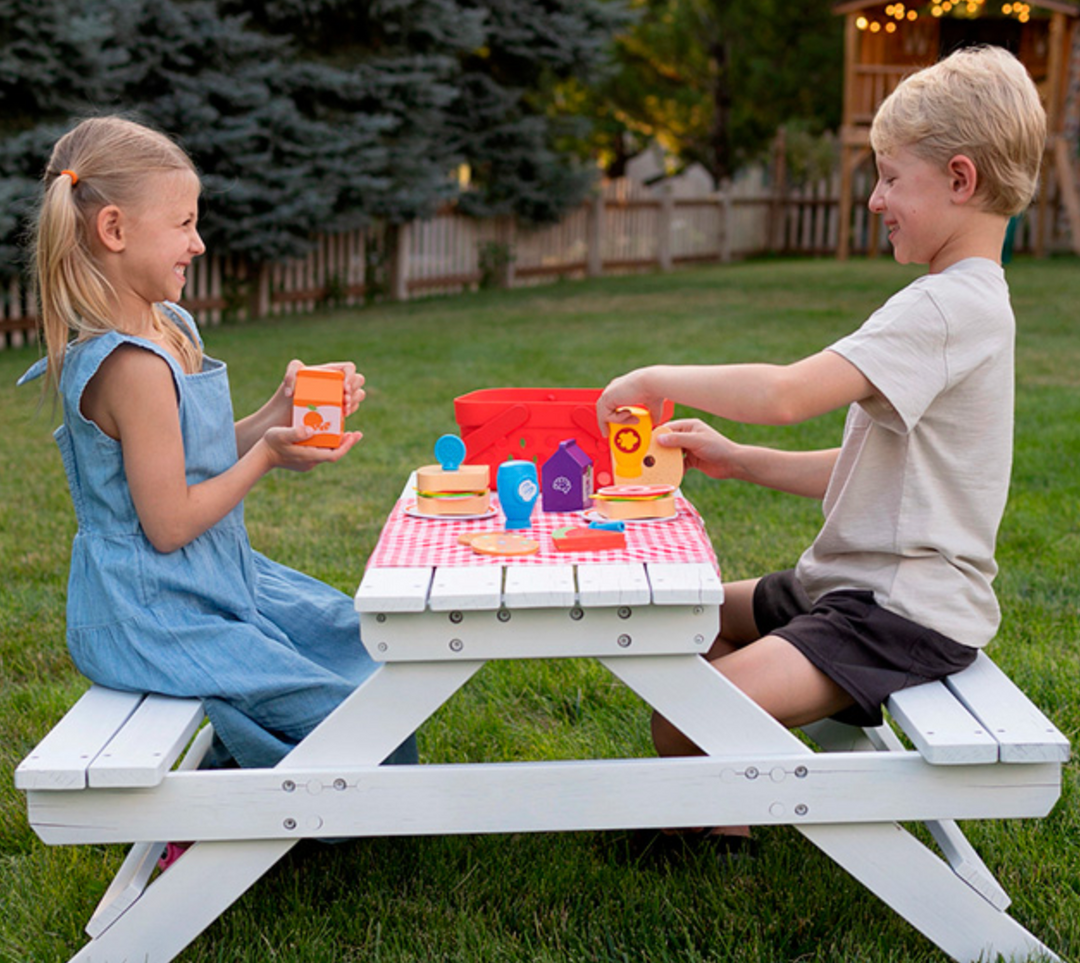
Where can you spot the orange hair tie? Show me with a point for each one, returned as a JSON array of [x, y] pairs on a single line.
[[74, 177]]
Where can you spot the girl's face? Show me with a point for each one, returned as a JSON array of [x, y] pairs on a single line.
[[161, 240]]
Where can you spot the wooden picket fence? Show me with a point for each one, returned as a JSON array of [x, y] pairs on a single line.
[[625, 228]]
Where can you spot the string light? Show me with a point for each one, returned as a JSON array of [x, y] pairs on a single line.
[[896, 14]]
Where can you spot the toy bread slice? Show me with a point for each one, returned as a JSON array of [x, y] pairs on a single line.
[[467, 478], [463, 491], [659, 466]]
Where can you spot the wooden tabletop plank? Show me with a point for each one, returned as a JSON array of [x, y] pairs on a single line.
[[612, 584]]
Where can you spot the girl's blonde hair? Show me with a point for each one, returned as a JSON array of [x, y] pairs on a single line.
[[102, 161], [982, 103]]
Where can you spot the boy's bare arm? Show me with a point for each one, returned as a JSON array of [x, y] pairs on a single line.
[[804, 473], [764, 394]]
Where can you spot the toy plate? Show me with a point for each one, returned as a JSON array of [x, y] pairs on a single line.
[[413, 512], [593, 515]]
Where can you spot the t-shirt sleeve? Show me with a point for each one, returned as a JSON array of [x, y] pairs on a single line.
[[911, 350]]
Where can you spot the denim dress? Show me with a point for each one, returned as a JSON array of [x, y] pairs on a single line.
[[270, 651]]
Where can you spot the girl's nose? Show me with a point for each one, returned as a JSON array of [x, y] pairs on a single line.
[[197, 246]]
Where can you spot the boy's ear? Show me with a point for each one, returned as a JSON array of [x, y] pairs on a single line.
[[963, 178], [109, 225]]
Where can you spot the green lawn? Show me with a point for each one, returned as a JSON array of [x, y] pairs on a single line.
[[574, 896]]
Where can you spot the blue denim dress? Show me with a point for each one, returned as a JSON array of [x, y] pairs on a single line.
[[270, 651]]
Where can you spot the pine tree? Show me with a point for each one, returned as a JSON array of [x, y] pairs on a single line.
[[307, 116]]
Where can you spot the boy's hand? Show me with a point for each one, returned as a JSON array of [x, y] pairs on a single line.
[[705, 448], [629, 389]]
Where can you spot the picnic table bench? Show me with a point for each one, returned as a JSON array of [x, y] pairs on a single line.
[[115, 769]]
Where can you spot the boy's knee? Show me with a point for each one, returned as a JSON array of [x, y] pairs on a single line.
[[669, 741]]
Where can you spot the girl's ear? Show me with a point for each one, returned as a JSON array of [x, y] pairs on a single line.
[[109, 225], [963, 178]]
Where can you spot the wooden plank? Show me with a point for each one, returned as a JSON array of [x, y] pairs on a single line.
[[532, 633], [394, 589], [61, 759], [1023, 732], [750, 788], [940, 727], [1066, 175], [612, 584], [149, 743], [470, 588], [539, 587], [135, 872], [694, 583]]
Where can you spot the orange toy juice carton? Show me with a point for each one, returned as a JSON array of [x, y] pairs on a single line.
[[319, 402]]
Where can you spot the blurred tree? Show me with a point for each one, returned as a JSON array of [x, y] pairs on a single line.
[[712, 80], [310, 115]]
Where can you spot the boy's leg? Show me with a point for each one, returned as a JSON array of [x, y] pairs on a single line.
[[778, 677], [737, 625]]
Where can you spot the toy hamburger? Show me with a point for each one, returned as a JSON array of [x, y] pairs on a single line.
[[632, 502]]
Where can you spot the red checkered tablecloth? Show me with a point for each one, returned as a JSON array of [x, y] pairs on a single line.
[[408, 540]]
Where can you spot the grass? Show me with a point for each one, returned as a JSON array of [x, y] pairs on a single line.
[[560, 897]]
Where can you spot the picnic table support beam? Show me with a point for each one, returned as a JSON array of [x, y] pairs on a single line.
[[211, 876], [885, 858]]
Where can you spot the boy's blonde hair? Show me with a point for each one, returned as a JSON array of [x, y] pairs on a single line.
[[979, 102], [102, 161]]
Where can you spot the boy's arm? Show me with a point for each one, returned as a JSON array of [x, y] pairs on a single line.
[[804, 473], [762, 394]]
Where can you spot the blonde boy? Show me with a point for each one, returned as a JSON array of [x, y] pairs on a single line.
[[896, 588]]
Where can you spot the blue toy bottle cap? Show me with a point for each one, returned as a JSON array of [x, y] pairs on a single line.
[[450, 452]]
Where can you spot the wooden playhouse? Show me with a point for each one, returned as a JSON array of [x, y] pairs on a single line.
[[885, 41]]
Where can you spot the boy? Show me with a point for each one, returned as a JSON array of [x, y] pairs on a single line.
[[896, 588]]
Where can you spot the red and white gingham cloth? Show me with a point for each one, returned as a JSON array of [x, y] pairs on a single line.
[[408, 540]]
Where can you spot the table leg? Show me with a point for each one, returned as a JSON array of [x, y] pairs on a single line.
[[211, 876], [884, 857]]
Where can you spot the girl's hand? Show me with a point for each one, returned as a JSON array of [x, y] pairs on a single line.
[[354, 382], [283, 450], [705, 448]]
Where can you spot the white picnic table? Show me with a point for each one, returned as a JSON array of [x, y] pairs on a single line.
[[981, 751]]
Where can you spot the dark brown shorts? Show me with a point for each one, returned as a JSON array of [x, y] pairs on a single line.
[[868, 651]]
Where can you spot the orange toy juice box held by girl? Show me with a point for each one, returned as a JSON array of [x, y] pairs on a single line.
[[319, 402]]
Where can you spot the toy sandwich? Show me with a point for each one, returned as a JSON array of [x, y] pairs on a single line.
[[631, 502], [451, 488]]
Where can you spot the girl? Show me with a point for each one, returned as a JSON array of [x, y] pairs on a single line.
[[165, 593]]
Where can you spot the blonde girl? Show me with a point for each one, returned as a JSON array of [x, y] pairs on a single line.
[[165, 592]]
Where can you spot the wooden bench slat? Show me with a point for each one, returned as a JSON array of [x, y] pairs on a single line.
[[940, 727], [149, 743], [1022, 731], [61, 759]]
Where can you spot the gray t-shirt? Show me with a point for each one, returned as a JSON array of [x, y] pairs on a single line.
[[916, 497]]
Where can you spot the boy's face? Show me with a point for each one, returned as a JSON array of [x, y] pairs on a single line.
[[915, 199]]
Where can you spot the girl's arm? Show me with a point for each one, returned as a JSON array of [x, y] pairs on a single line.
[[277, 412], [804, 473], [132, 398], [762, 394]]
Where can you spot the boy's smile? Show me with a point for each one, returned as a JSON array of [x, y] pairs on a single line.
[[916, 201]]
